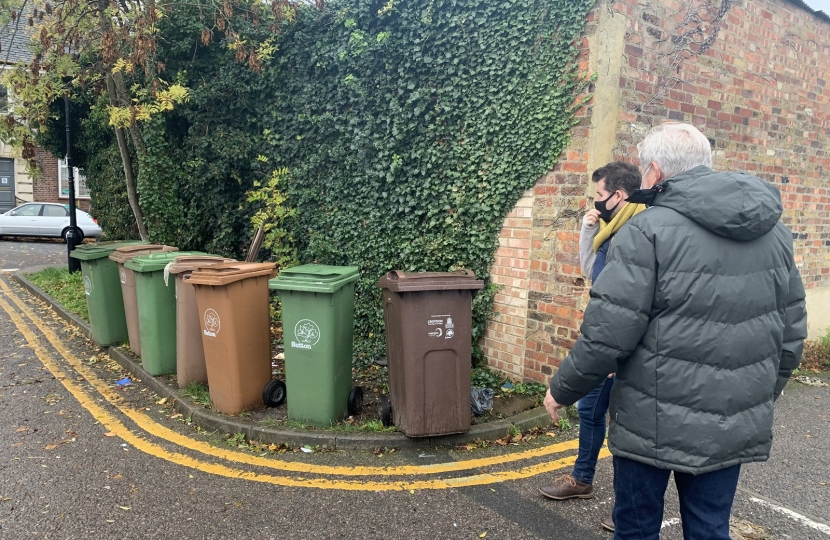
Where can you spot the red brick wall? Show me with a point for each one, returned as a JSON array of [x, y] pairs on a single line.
[[45, 185], [759, 92], [505, 337]]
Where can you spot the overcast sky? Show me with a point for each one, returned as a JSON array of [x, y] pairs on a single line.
[[823, 5]]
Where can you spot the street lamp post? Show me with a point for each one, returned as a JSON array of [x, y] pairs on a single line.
[[72, 238]]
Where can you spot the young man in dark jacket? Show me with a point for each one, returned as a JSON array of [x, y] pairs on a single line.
[[615, 183], [700, 311]]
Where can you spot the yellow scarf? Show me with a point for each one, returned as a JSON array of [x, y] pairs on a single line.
[[607, 229]]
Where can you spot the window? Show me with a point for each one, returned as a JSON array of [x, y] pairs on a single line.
[[4, 99], [28, 210], [52, 210], [81, 190]]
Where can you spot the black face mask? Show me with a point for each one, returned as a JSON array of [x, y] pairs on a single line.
[[604, 211]]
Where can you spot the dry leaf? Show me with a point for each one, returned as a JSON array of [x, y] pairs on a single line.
[[24, 428], [124, 507], [482, 535], [117, 477], [162, 401], [51, 446], [109, 434]]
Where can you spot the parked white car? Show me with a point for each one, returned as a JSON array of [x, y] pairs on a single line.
[[46, 219]]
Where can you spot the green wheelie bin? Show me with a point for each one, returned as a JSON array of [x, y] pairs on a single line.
[[318, 325], [103, 290], [155, 292]]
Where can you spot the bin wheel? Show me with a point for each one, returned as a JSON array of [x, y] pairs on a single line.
[[355, 401], [274, 393], [385, 411]]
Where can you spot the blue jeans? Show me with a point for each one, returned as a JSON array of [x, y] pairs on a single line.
[[705, 501], [592, 410]]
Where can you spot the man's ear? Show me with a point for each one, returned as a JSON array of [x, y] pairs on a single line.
[[653, 175], [658, 174]]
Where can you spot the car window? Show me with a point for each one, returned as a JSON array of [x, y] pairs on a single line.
[[54, 211], [28, 210]]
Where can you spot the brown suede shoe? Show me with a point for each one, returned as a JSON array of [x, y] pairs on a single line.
[[567, 487], [608, 524]]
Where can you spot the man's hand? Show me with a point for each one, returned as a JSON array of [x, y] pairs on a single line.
[[551, 405], [591, 217]]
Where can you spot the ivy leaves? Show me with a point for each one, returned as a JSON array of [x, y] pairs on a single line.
[[412, 128]]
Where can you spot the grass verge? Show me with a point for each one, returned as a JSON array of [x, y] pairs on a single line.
[[66, 288]]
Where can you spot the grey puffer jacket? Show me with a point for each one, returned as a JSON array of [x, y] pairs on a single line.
[[700, 311]]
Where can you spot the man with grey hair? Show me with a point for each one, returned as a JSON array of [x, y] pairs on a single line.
[[700, 311]]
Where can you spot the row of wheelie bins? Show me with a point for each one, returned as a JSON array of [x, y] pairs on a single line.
[[206, 319]]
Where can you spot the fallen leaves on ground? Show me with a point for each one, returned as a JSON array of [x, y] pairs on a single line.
[[810, 381]]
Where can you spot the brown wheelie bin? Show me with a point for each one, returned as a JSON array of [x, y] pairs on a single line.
[[428, 318], [127, 277], [190, 353], [234, 312]]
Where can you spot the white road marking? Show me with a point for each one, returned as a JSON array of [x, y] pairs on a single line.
[[804, 520], [669, 523]]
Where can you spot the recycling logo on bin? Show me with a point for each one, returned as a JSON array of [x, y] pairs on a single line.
[[307, 334], [441, 326], [88, 285], [212, 323], [122, 274]]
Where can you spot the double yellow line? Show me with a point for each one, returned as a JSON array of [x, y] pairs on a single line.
[[150, 427]]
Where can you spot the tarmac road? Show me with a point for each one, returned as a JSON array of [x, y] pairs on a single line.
[[67, 470]]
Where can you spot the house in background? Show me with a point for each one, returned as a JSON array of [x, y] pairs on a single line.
[[16, 185]]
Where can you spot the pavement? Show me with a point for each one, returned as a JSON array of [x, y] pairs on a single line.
[[83, 459]]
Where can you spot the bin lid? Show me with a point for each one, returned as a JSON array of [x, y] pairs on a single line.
[[99, 250], [314, 278], [189, 263], [227, 273], [153, 262], [124, 254], [399, 281]]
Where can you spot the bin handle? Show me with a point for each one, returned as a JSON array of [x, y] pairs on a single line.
[[221, 269], [400, 274]]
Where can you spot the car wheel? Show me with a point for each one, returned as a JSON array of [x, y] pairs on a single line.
[[78, 232]]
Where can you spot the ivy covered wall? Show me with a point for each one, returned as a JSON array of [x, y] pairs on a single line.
[[410, 130], [381, 134]]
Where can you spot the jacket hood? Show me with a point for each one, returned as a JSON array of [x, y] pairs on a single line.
[[735, 205]]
